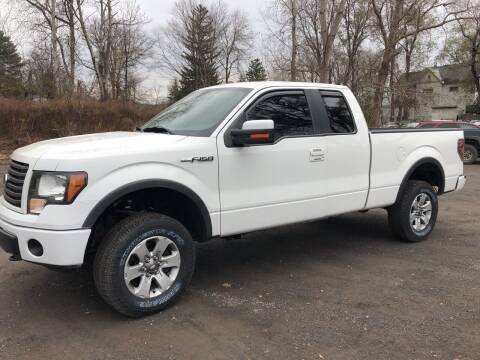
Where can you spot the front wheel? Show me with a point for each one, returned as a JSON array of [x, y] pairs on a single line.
[[412, 218], [144, 264]]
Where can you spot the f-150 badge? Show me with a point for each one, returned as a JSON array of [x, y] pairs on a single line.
[[198, 158]]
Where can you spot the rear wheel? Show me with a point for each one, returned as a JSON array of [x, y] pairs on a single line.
[[144, 264], [412, 218], [470, 154]]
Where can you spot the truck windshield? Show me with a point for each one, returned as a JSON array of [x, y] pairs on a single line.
[[199, 113]]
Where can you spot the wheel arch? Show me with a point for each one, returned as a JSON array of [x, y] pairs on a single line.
[[426, 169], [155, 184], [474, 141]]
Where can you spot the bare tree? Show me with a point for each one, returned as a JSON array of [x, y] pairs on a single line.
[[320, 22], [352, 34], [55, 16], [234, 41], [282, 44], [13, 21], [392, 18], [48, 10], [68, 18], [130, 48], [98, 38], [469, 27]]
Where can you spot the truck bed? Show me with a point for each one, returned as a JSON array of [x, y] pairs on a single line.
[[395, 151]]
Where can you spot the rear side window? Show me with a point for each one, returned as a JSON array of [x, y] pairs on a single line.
[[426, 126], [339, 115], [290, 113], [449, 126], [468, 126]]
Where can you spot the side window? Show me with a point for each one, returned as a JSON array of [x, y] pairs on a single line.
[[339, 116], [290, 113], [449, 126], [426, 126], [468, 126]]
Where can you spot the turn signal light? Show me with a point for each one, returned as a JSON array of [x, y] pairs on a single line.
[[259, 136], [76, 184], [36, 206]]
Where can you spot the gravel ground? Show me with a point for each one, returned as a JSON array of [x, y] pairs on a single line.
[[340, 288]]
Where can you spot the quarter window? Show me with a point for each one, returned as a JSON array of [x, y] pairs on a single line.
[[289, 112], [339, 116]]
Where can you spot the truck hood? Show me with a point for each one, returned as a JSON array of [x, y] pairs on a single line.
[[95, 145]]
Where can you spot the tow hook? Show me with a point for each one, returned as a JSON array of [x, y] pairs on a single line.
[[15, 258]]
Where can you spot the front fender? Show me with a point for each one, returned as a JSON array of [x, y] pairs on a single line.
[[81, 212]]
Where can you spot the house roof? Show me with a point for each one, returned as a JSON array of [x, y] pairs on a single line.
[[447, 74]]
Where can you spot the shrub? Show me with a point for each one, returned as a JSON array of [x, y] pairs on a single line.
[[26, 121]]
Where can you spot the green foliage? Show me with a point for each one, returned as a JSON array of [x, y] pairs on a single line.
[[201, 52], [256, 71], [10, 68]]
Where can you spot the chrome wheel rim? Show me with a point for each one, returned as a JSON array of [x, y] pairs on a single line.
[[421, 212], [152, 267], [467, 155]]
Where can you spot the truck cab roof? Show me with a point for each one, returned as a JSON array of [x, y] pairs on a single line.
[[260, 85]]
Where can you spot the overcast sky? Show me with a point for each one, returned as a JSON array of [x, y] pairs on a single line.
[[159, 12]]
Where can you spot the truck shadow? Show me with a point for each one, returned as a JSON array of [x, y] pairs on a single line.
[[67, 295]]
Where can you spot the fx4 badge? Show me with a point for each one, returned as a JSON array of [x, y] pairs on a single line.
[[198, 158]]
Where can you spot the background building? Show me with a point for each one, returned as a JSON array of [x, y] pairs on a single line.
[[437, 93]]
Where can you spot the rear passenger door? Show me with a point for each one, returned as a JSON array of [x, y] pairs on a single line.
[[348, 152]]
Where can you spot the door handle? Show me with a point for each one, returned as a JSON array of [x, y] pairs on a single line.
[[317, 154]]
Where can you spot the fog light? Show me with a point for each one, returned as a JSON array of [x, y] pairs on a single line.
[[35, 247]]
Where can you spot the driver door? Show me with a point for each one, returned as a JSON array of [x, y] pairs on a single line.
[[262, 186]]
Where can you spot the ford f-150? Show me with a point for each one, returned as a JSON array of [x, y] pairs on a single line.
[[221, 162]]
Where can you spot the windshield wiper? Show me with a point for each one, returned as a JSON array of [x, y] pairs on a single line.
[[158, 129]]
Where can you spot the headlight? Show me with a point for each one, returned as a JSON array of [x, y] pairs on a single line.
[[54, 188]]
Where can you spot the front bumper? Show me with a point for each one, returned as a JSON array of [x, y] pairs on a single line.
[[9, 243], [60, 248]]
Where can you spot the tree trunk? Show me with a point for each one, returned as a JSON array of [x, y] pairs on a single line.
[[73, 44], [392, 91], [97, 65], [54, 52], [293, 62], [381, 81], [126, 84], [328, 33], [473, 69]]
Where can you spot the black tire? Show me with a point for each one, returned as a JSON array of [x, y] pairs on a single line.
[[399, 213], [472, 151], [115, 249]]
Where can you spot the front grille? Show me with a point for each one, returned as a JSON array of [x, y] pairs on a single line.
[[14, 185]]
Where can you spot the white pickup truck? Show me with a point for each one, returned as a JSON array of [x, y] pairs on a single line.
[[222, 162]]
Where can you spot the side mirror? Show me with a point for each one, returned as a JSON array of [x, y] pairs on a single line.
[[253, 132]]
